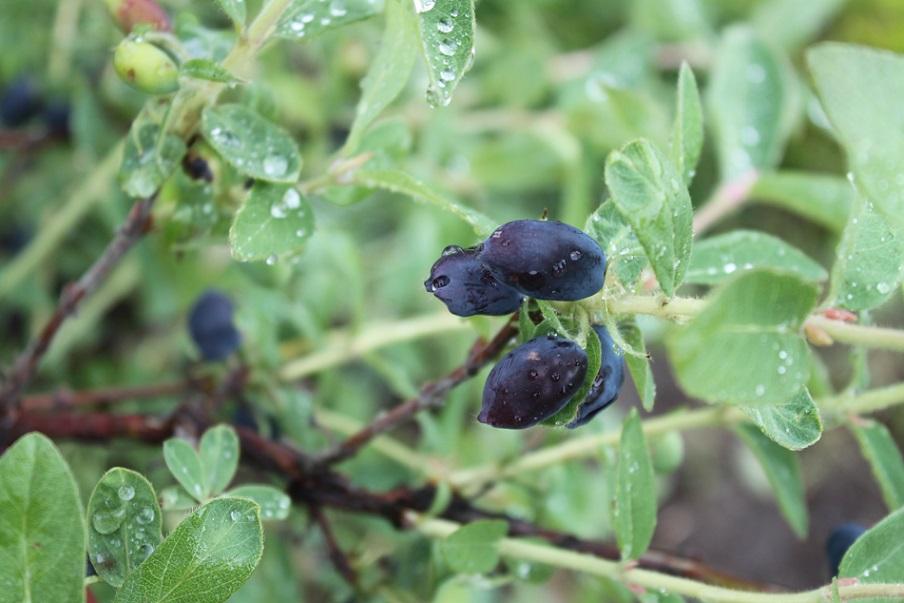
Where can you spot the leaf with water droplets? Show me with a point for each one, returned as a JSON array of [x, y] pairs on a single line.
[[687, 131], [275, 221], [719, 258], [625, 256], [884, 457], [634, 508], [219, 452], [782, 470], [185, 465], [42, 529], [251, 144], [389, 71], [877, 555], [860, 89], [823, 198], [148, 159], [447, 43], [471, 549], [235, 10], [305, 19], [754, 103], [869, 261], [639, 364], [652, 197], [124, 524], [793, 425], [274, 503], [209, 555], [205, 69], [745, 346]]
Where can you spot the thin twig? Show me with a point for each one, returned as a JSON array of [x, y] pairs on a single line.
[[430, 395], [67, 398], [337, 556], [136, 225]]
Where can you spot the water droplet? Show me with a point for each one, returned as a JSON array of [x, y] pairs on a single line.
[[145, 550], [275, 165], [883, 288], [107, 522], [271, 260], [447, 75], [575, 255], [448, 47], [423, 6], [126, 492], [292, 199], [729, 268], [235, 515], [145, 515], [445, 25], [337, 9], [760, 390], [756, 73]]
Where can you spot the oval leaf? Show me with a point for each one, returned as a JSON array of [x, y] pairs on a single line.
[[471, 549], [877, 556], [147, 161], [717, 259], [634, 511], [447, 42], [687, 132], [793, 425], [639, 363], [42, 530], [624, 253], [219, 452], [274, 503], [275, 221], [124, 524], [307, 18], [744, 347], [205, 69], [884, 457], [206, 558], [822, 198], [184, 464], [251, 144], [651, 196]]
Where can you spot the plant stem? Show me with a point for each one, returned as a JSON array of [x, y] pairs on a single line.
[[727, 199], [589, 564]]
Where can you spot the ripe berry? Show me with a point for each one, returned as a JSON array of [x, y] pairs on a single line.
[[20, 102], [607, 383], [56, 118], [533, 382], [146, 67], [467, 287], [129, 13], [211, 326], [545, 260], [839, 541]]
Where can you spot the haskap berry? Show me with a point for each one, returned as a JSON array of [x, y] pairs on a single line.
[[533, 382], [607, 383], [467, 287], [211, 326], [839, 541], [545, 259], [19, 103]]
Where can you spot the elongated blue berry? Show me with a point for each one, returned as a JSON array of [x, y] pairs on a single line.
[[839, 541], [211, 326], [606, 384], [467, 287]]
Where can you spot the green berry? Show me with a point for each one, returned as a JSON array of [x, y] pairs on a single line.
[[146, 67], [667, 452]]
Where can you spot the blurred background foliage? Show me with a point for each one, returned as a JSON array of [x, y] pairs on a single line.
[[555, 86]]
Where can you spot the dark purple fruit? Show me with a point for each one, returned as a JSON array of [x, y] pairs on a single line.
[[467, 287], [211, 326], [607, 383], [532, 382], [19, 103], [56, 118], [839, 541], [545, 260]]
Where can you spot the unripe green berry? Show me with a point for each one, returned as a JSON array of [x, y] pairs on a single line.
[[667, 452], [146, 67]]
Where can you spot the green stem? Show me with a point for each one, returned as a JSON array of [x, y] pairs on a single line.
[[581, 562]]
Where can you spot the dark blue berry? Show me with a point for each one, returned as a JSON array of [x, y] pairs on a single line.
[[545, 259], [56, 118], [467, 287], [20, 102], [607, 383], [839, 541], [532, 382], [211, 326]]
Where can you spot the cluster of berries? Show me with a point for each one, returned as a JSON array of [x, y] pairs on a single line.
[[22, 101], [544, 260]]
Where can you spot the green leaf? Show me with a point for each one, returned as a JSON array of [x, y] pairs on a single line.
[[235, 10], [869, 261], [185, 465], [388, 73], [205, 69], [639, 365], [744, 347], [793, 425], [175, 498], [307, 18], [719, 258], [42, 528], [206, 558], [275, 221], [884, 457], [471, 549], [634, 511], [251, 144], [860, 89], [822, 198], [624, 253], [447, 43], [877, 555], [219, 453], [687, 131], [651, 196], [783, 472], [753, 102], [594, 360], [399, 182], [148, 159], [125, 524], [792, 23], [274, 503]]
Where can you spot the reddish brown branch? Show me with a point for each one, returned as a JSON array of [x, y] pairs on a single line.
[[135, 226], [432, 394], [337, 556], [66, 398]]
